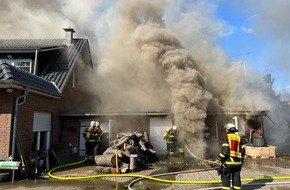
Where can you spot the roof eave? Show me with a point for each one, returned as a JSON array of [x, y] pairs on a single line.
[[116, 114], [18, 50], [19, 86], [31, 50]]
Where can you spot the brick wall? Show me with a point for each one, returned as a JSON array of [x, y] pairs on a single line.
[[5, 123], [6, 104], [71, 101], [24, 120], [34, 103]]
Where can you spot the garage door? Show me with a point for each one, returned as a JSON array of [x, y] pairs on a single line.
[[157, 129]]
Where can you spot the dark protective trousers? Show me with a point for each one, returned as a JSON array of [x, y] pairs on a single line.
[[170, 148], [90, 147], [235, 175]]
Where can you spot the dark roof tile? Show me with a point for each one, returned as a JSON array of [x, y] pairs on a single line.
[[62, 62], [61, 65], [9, 73], [30, 43]]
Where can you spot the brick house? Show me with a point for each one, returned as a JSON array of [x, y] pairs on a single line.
[[42, 105], [41, 100], [39, 79]]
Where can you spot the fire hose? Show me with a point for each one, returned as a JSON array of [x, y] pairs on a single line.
[[156, 177], [253, 180]]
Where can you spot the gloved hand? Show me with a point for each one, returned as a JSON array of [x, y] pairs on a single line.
[[218, 161], [220, 170]]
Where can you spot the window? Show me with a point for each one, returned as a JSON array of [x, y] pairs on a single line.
[[40, 140], [24, 64], [41, 130]]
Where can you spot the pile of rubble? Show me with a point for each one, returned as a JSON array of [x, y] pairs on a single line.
[[128, 152]]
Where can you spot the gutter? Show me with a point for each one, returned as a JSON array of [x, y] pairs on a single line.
[[32, 50], [115, 114], [35, 91], [246, 112], [15, 112]]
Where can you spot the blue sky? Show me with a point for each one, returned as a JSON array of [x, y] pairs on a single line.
[[258, 34]]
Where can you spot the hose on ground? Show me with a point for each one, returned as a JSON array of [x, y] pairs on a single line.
[[155, 177], [253, 180]]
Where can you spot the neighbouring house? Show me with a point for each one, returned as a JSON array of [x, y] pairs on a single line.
[[39, 80]]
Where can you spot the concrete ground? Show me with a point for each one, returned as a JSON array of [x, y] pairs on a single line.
[[253, 168]]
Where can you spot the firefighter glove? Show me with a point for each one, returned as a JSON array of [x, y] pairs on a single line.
[[220, 170], [218, 161]]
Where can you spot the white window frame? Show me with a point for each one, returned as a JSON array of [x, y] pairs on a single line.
[[23, 64]]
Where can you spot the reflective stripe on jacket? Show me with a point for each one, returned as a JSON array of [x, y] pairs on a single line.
[[232, 151], [93, 134], [169, 135]]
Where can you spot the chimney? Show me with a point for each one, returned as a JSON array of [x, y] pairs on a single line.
[[69, 35]]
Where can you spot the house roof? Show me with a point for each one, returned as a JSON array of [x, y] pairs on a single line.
[[29, 44], [12, 75], [60, 65]]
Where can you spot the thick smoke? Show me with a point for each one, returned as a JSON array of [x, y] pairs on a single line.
[[230, 85], [157, 55], [189, 99], [150, 69], [31, 19]]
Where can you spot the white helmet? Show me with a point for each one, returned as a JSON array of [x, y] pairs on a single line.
[[97, 124], [93, 123], [174, 127], [231, 127]]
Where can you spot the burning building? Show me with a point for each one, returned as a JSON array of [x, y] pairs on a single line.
[[151, 74]]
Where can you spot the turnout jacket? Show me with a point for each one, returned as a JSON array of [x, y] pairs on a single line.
[[169, 135], [93, 134], [232, 151]]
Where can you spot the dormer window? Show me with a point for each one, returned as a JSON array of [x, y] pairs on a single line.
[[24, 64]]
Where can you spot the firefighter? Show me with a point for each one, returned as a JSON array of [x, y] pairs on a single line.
[[231, 158], [93, 135], [170, 137]]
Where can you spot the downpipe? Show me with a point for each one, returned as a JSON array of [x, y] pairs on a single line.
[[16, 105]]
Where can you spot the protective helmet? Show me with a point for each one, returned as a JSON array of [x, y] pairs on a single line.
[[174, 127], [93, 123], [231, 127], [97, 124]]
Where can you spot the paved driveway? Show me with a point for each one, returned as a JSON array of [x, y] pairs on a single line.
[[254, 168]]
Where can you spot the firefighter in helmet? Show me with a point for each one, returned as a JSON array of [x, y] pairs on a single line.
[[93, 135], [231, 158], [173, 146], [170, 137]]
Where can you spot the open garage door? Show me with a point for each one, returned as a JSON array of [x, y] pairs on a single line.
[[105, 126], [157, 129]]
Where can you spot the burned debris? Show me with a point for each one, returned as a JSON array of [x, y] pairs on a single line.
[[129, 151]]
